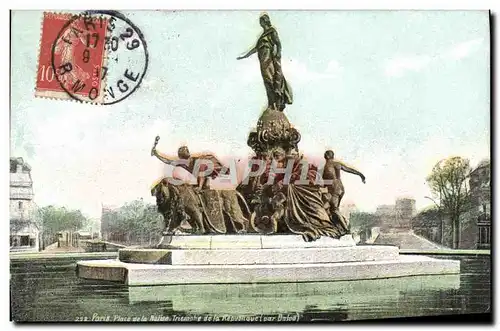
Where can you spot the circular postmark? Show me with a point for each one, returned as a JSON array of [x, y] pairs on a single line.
[[99, 57]]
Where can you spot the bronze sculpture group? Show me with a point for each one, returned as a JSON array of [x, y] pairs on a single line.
[[275, 200]]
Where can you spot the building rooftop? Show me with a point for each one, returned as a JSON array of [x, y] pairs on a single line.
[[481, 165], [405, 197], [21, 184], [15, 161]]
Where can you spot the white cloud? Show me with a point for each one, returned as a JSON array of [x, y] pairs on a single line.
[[399, 65], [298, 73], [333, 67], [464, 49]]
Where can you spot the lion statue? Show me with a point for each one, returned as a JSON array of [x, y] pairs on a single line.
[[206, 211]]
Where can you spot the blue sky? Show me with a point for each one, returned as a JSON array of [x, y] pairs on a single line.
[[390, 92]]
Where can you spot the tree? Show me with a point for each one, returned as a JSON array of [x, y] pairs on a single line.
[[448, 184], [133, 222], [363, 220], [55, 219], [427, 218], [428, 224]]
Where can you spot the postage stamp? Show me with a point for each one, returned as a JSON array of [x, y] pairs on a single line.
[[98, 57]]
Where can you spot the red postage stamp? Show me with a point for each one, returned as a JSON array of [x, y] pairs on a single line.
[[69, 43], [98, 57]]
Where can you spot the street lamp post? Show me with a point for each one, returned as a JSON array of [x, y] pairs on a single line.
[[440, 217]]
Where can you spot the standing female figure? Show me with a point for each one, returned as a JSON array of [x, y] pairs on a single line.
[[268, 48]]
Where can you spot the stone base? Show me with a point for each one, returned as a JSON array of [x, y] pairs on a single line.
[[255, 259], [134, 274], [250, 241], [258, 256]]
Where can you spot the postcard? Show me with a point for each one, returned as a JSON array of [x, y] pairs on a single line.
[[281, 166]]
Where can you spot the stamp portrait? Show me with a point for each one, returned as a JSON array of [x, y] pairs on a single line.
[[98, 57]]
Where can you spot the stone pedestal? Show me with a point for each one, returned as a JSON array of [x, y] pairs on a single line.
[[259, 259], [251, 241]]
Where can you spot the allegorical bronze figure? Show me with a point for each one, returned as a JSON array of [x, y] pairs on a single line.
[[332, 172], [206, 210], [268, 48], [189, 164]]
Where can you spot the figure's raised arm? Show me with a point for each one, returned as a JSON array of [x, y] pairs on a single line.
[[250, 52], [351, 170], [170, 160]]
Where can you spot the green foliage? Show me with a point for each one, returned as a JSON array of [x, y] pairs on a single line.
[[54, 219], [427, 218], [363, 220], [134, 221], [448, 182]]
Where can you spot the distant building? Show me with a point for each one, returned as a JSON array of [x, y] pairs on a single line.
[[484, 231], [389, 223], [405, 210], [24, 230], [480, 187], [397, 216], [475, 225]]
